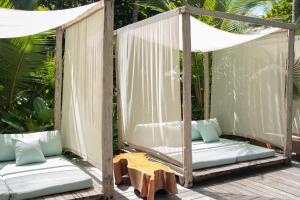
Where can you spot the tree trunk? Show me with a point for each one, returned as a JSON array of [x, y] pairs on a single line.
[[295, 12], [135, 12], [198, 91]]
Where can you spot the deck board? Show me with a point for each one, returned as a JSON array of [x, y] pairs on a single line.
[[269, 183]]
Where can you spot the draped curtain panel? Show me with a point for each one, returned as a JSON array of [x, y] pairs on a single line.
[[82, 88], [248, 88], [149, 79], [296, 102]]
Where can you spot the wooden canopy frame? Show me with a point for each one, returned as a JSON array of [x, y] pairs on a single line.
[[107, 81], [185, 171]]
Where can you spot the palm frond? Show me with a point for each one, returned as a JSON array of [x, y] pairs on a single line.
[[6, 4], [20, 59]]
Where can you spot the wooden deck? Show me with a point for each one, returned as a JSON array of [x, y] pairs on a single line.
[[276, 183], [280, 182]]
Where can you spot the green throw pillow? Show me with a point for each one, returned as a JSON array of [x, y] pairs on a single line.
[[208, 132], [50, 142], [215, 123], [195, 131], [28, 152]]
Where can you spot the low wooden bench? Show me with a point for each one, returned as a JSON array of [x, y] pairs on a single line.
[[145, 176]]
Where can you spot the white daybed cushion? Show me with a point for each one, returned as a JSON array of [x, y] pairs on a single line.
[[213, 157], [4, 194], [226, 152], [57, 175], [219, 153], [251, 152]]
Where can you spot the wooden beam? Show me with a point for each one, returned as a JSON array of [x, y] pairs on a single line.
[[206, 85], [289, 94], [241, 18], [107, 106], [149, 20], [58, 79], [119, 104], [84, 15], [187, 111]]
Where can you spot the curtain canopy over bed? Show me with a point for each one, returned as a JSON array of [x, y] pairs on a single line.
[[83, 67], [248, 94], [86, 100]]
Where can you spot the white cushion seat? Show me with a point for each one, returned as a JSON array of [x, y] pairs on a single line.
[[56, 175], [4, 193]]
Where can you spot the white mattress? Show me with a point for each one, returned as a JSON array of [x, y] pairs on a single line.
[[225, 151], [196, 145], [4, 194], [57, 175]]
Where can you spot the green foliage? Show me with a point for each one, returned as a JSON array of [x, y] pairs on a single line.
[[240, 7], [281, 10], [29, 116], [6, 4], [61, 4], [24, 62], [20, 60]]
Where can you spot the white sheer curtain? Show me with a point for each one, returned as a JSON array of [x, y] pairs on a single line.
[[82, 88], [296, 102], [149, 78], [248, 88]]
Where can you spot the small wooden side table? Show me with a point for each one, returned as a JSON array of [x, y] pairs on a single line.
[[145, 176]]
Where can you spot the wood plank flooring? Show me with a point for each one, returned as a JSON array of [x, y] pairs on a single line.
[[276, 183]]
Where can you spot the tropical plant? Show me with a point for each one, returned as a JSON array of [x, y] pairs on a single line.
[[23, 61], [281, 11], [240, 7], [6, 4], [23, 64]]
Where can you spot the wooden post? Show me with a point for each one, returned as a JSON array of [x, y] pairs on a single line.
[[289, 94], [107, 106], [58, 79], [187, 111], [206, 85], [119, 108]]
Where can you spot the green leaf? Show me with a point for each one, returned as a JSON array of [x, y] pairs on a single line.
[[45, 115], [14, 124], [32, 125], [39, 104]]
